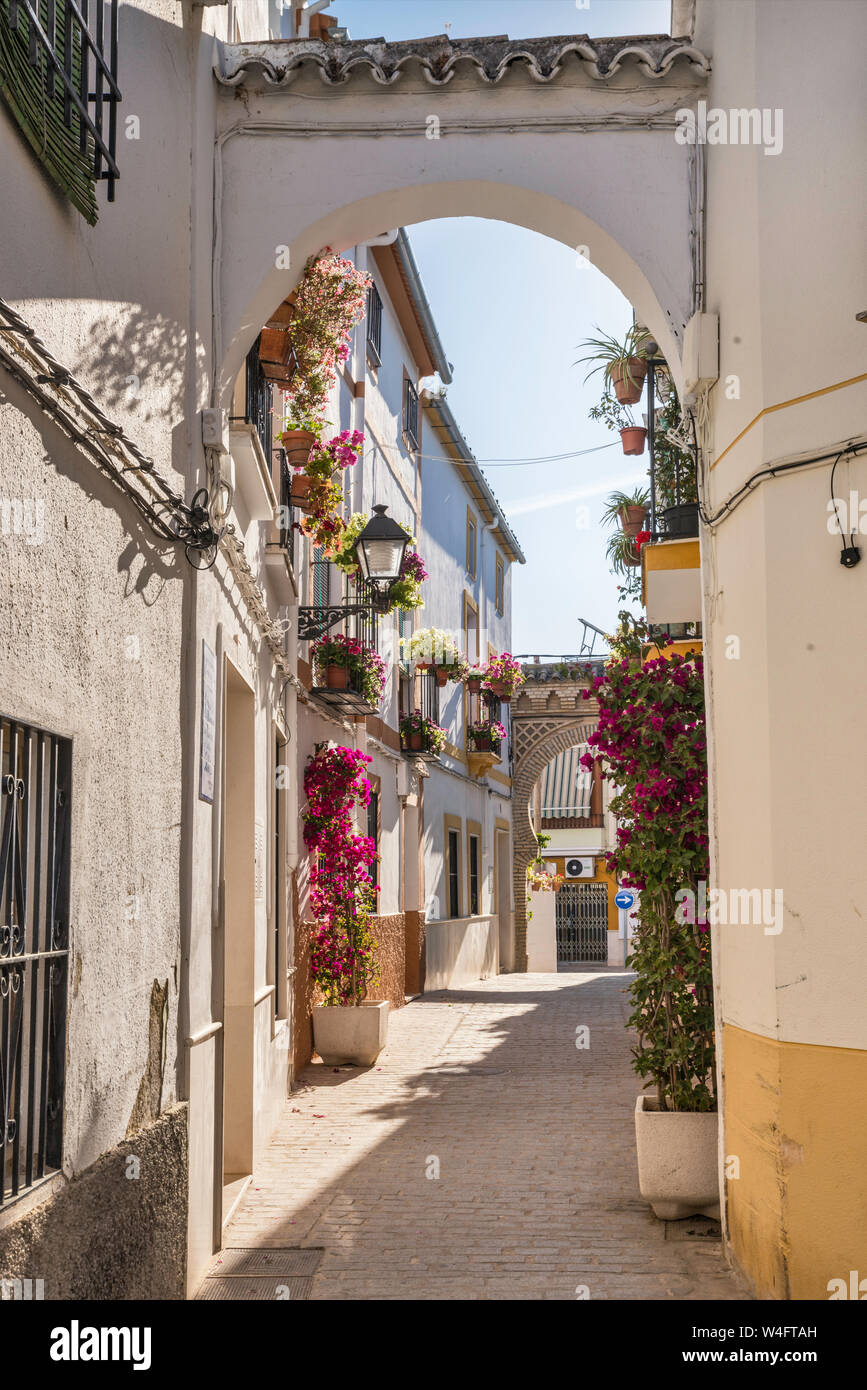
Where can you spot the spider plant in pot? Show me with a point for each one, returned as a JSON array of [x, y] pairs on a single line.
[[618, 417], [629, 509], [624, 364]]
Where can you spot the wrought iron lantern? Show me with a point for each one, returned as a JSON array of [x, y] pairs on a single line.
[[380, 548]]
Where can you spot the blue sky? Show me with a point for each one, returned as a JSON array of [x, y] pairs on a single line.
[[513, 339]]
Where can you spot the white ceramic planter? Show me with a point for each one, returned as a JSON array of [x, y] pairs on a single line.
[[677, 1160], [346, 1033]]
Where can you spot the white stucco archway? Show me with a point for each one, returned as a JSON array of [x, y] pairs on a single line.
[[590, 161]]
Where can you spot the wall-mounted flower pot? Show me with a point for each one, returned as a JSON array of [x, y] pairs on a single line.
[[350, 1033], [297, 444], [681, 520], [444, 675], [337, 677], [632, 520], [627, 379], [500, 690], [677, 1160], [474, 684], [299, 494], [632, 438]]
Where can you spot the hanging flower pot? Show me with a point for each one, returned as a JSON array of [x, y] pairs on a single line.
[[444, 675], [299, 495], [627, 378], [632, 438], [474, 684], [298, 444], [336, 677], [632, 520]]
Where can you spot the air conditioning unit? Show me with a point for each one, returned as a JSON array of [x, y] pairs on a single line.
[[581, 868]]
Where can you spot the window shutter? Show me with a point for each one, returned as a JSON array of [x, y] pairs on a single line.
[[35, 96]]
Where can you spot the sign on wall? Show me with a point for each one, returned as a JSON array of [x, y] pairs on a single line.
[[209, 724]]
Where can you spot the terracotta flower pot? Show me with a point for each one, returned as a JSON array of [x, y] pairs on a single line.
[[483, 744], [627, 391], [336, 677], [474, 685], [632, 439], [415, 740], [443, 675], [299, 495], [297, 444], [632, 520]]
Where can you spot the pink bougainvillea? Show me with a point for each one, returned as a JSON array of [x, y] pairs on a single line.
[[652, 744], [342, 890]]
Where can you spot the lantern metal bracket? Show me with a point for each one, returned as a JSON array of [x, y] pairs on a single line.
[[314, 621]]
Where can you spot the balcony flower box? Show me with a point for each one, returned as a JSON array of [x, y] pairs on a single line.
[[486, 737], [419, 734], [503, 677], [342, 663]]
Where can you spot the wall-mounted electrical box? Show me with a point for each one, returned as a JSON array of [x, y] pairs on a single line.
[[701, 352]]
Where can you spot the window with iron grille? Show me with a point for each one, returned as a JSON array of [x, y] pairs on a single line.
[[454, 872], [321, 583], [474, 875], [58, 76], [410, 412], [35, 775], [257, 404], [373, 821], [374, 325], [500, 585]]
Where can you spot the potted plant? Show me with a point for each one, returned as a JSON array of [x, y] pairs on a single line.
[[647, 709], [473, 678], [431, 647], [314, 486], [486, 735], [346, 663], [347, 1026], [420, 734], [299, 434], [624, 364], [503, 677], [629, 509], [617, 417]]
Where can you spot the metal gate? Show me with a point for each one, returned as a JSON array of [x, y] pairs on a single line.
[[582, 923]]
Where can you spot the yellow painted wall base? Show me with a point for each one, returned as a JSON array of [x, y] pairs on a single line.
[[796, 1119]]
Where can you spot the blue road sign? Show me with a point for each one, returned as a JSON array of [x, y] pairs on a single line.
[[624, 899]]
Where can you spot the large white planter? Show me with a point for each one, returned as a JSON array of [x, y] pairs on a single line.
[[349, 1033], [677, 1160]]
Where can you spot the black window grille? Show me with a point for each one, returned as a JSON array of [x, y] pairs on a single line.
[[35, 776], [474, 875], [410, 412], [374, 324], [257, 400], [454, 869], [428, 692], [287, 514], [321, 578], [373, 819], [58, 75]]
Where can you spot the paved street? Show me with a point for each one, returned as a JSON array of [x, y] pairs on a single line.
[[537, 1191]]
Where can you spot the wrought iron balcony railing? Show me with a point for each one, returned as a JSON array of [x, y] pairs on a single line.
[[58, 75], [674, 511], [257, 401]]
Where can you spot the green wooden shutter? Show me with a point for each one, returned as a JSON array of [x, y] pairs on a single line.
[[26, 90]]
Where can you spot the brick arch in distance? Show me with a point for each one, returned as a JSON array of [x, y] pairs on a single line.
[[537, 738]]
